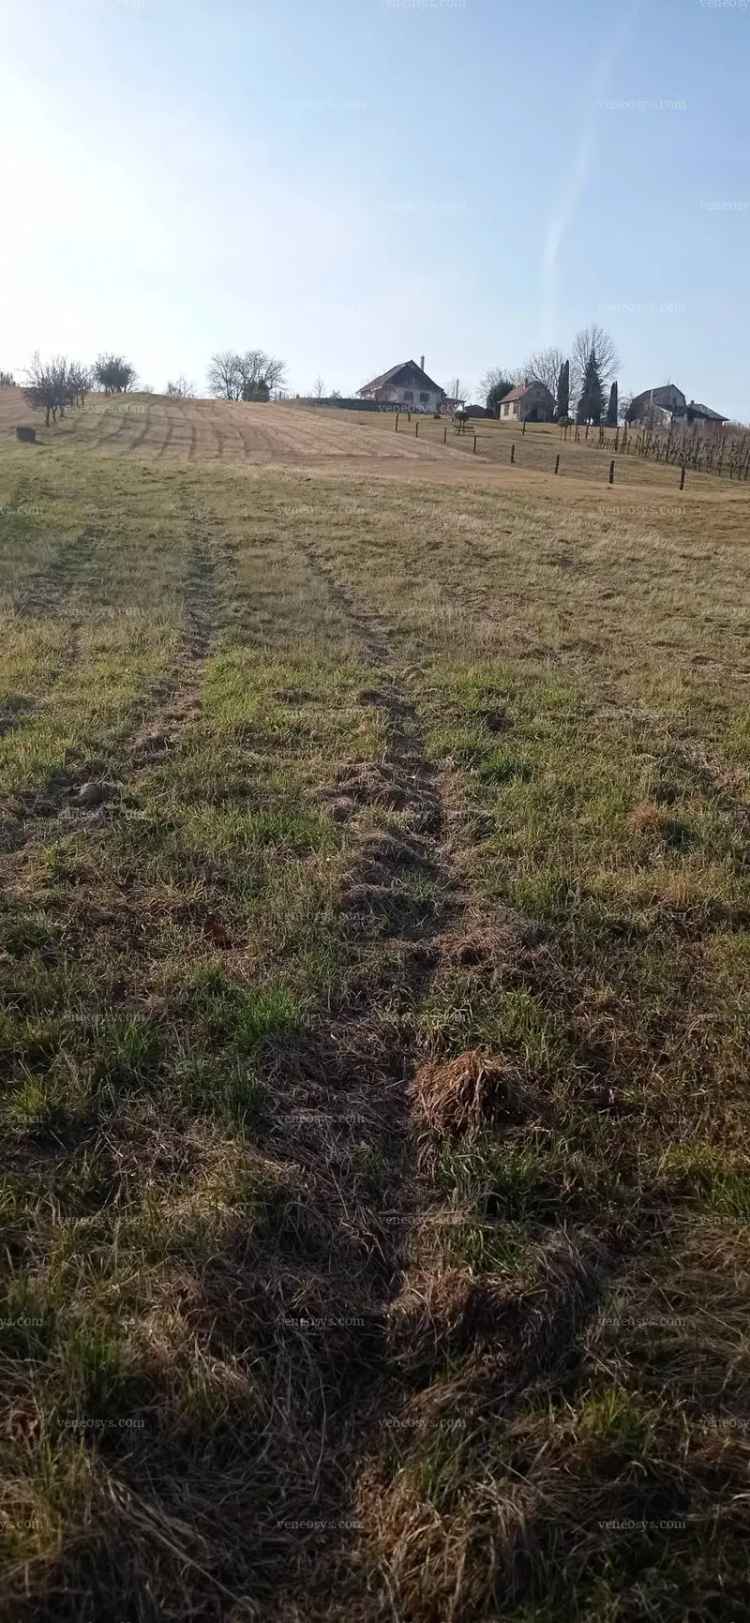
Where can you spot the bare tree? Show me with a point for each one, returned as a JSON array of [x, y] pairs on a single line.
[[251, 376], [78, 383], [46, 387], [224, 375], [52, 386], [319, 389], [7, 380], [180, 389], [260, 374], [592, 344], [544, 367]]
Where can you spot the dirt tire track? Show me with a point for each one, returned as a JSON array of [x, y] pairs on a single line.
[[142, 432], [367, 1266], [166, 442]]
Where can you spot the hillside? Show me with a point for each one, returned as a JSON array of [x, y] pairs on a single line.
[[374, 947]]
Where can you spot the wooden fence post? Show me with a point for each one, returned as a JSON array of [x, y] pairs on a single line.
[[612, 471], [682, 477], [557, 463], [416, 429], [396, 422], [513, 452], [445, 435], [474, 446], [523, 426]]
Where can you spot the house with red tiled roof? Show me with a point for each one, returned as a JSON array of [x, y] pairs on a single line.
[[406, 386], [528, 403]]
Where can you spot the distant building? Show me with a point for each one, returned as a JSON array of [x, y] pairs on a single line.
[[667, 404], [477, 411], [406, 385], [696, 413], [529, 403]]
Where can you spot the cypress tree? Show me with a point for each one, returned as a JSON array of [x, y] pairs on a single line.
[[563, 391], [611, 419], [591, 401]]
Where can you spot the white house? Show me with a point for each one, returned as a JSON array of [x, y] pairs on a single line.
[[406, 385]]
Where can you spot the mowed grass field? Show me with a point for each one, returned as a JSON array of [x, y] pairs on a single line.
[[374, 945]]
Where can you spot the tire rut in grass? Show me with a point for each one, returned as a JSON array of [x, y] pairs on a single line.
[[143, 431], [166, 442], [63, 805], [400, 895]]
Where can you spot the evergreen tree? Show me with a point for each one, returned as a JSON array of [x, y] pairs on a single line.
[[611, 418], [591, 401], [494, 395], [563, 391]]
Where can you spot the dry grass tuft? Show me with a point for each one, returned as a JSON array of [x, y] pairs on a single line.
[[463, 1096]]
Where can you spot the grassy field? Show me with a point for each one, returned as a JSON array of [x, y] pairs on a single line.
[[374, 940]]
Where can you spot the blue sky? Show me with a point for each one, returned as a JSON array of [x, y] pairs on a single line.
[[347, 183]]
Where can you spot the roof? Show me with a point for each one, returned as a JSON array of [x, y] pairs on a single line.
[[523, 389], [660, 394], [391, 375], [705, 411]]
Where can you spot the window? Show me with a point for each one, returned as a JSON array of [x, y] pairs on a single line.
[[506, 409], [424, 397], [408, 394]]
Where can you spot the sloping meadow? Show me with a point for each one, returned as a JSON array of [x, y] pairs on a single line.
[[374, 944]]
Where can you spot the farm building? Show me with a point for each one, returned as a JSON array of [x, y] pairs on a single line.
[[406, 385], [668, 404], [696, 413], [659, 404], [529, 403]]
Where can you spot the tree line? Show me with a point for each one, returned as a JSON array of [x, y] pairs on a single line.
[[57, 385], [577, 382]]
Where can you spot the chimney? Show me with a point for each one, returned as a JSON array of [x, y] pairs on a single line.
[[421, 362]]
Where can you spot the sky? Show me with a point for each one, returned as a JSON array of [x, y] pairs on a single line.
[[350, 183]]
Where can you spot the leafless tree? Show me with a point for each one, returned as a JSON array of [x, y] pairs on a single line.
[[592, 343], [7, 380], [78, 383], [224, 375], [52, 386], [251, 376], [544, 367], [319, 389], [260, 374], [46, 387], [180, 389]]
